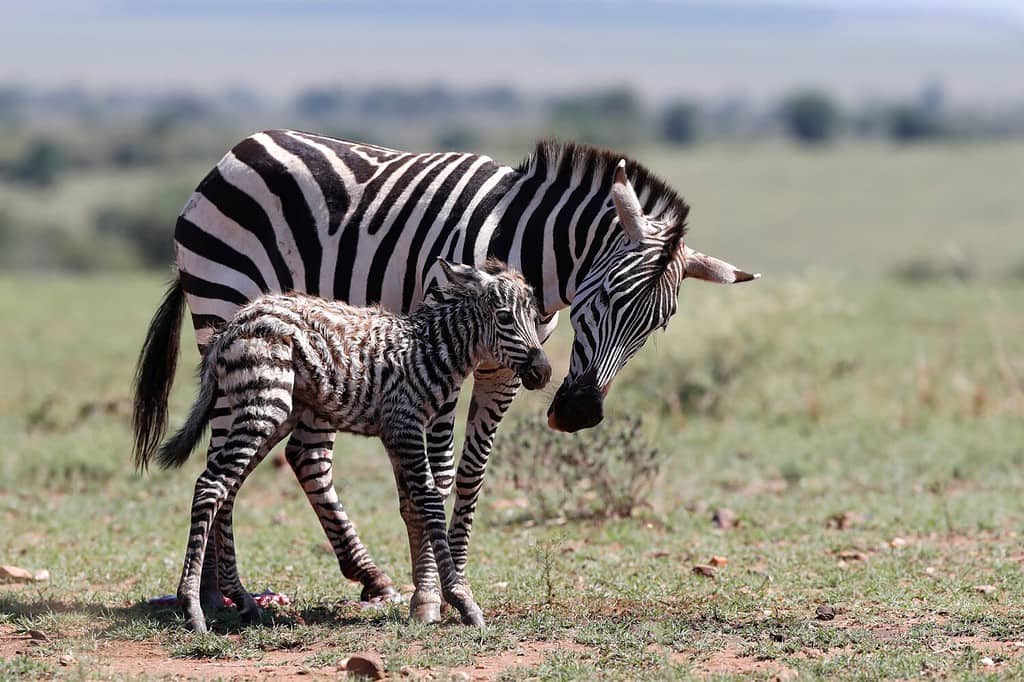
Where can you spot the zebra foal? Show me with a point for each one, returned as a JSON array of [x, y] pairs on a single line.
[[359, 370]]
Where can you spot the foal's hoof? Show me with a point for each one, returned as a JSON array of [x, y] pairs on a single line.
[[195, 623], [426, 613]]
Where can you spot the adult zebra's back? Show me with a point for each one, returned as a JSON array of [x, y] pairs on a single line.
[[288, 210]]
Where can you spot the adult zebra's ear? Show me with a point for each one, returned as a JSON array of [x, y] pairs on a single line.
[[627, 205], [711, 269]]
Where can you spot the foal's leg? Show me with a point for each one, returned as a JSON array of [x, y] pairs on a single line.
[[425, 511], [440, 437], [309, 453], [227, 562], [254, 431], [210, 595], [425, 605]]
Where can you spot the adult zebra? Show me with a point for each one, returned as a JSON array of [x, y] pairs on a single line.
[[288, 210]]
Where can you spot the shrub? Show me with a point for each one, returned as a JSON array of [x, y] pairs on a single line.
[[810, 116], [607, 471], [914, 124], [40, 164], [679, 123]]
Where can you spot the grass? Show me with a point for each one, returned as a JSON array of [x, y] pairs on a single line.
[[866, 431], [829, 396]]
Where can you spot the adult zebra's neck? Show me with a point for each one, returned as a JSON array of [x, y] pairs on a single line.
[[557, 219]]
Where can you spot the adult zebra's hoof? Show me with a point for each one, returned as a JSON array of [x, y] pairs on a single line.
[[211, 599], [474, 618], [248, 611], [380, 592]]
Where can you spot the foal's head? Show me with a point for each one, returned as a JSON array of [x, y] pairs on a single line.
[[510, 314]]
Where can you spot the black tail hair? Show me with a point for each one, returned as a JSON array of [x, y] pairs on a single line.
[[155, 373]]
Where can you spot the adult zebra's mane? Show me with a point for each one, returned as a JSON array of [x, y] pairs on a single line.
[[590, 165], [660, 201]]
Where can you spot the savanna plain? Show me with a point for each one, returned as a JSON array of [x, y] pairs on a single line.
[[838, 449]]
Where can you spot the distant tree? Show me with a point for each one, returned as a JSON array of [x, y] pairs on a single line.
[[457, 138], [499, 99], [319, 102], [810, 116], [679, 123], [177, 111], [609, 117], [40, 164], [912, 123]]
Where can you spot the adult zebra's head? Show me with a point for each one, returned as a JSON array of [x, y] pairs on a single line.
[[629, 292]]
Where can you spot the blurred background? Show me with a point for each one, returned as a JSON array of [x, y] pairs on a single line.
[[847, 135]]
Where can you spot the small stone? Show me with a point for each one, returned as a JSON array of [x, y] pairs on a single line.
[[845, 520], [987, 662], [705, 570], [897, 542], [407, 671], [460, 677], [825, 612], [500, 587], [66, 660], [41, 576], [725, 518], [365, 664], [853, 555], [984, 589], [38, 635], [1018, 645], [15, 574], [718, 561], [930, 570]]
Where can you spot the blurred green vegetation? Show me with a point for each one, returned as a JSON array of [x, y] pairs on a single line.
[[92, 181]]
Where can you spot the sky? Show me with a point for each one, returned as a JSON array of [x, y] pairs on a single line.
[[662, 48]]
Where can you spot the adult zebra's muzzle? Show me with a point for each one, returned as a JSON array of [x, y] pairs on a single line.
[[536, 371], [576, 405]]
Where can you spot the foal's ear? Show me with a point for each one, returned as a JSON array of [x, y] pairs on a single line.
[[457, 273]]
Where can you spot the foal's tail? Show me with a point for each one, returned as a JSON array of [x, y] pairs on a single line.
[[176, 450]]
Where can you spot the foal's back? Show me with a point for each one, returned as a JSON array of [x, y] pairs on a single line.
[[324, 356]]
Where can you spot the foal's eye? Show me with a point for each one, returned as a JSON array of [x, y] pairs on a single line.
[[504, 316]]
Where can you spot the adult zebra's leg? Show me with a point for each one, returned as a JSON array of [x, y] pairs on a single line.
[[493, 391], [309, 453], [423, 510]]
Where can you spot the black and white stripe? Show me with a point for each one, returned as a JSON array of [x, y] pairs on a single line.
[[287, 210], [359, 370]]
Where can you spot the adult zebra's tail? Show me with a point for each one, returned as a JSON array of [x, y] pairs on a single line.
[[155, 373], [178, 447]]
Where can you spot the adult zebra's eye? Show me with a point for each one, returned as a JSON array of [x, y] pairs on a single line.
[[504, 316]]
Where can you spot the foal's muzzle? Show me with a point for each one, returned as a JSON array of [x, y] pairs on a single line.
[[536, 371]]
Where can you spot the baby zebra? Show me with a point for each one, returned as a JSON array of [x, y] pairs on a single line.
[[360, 370]]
